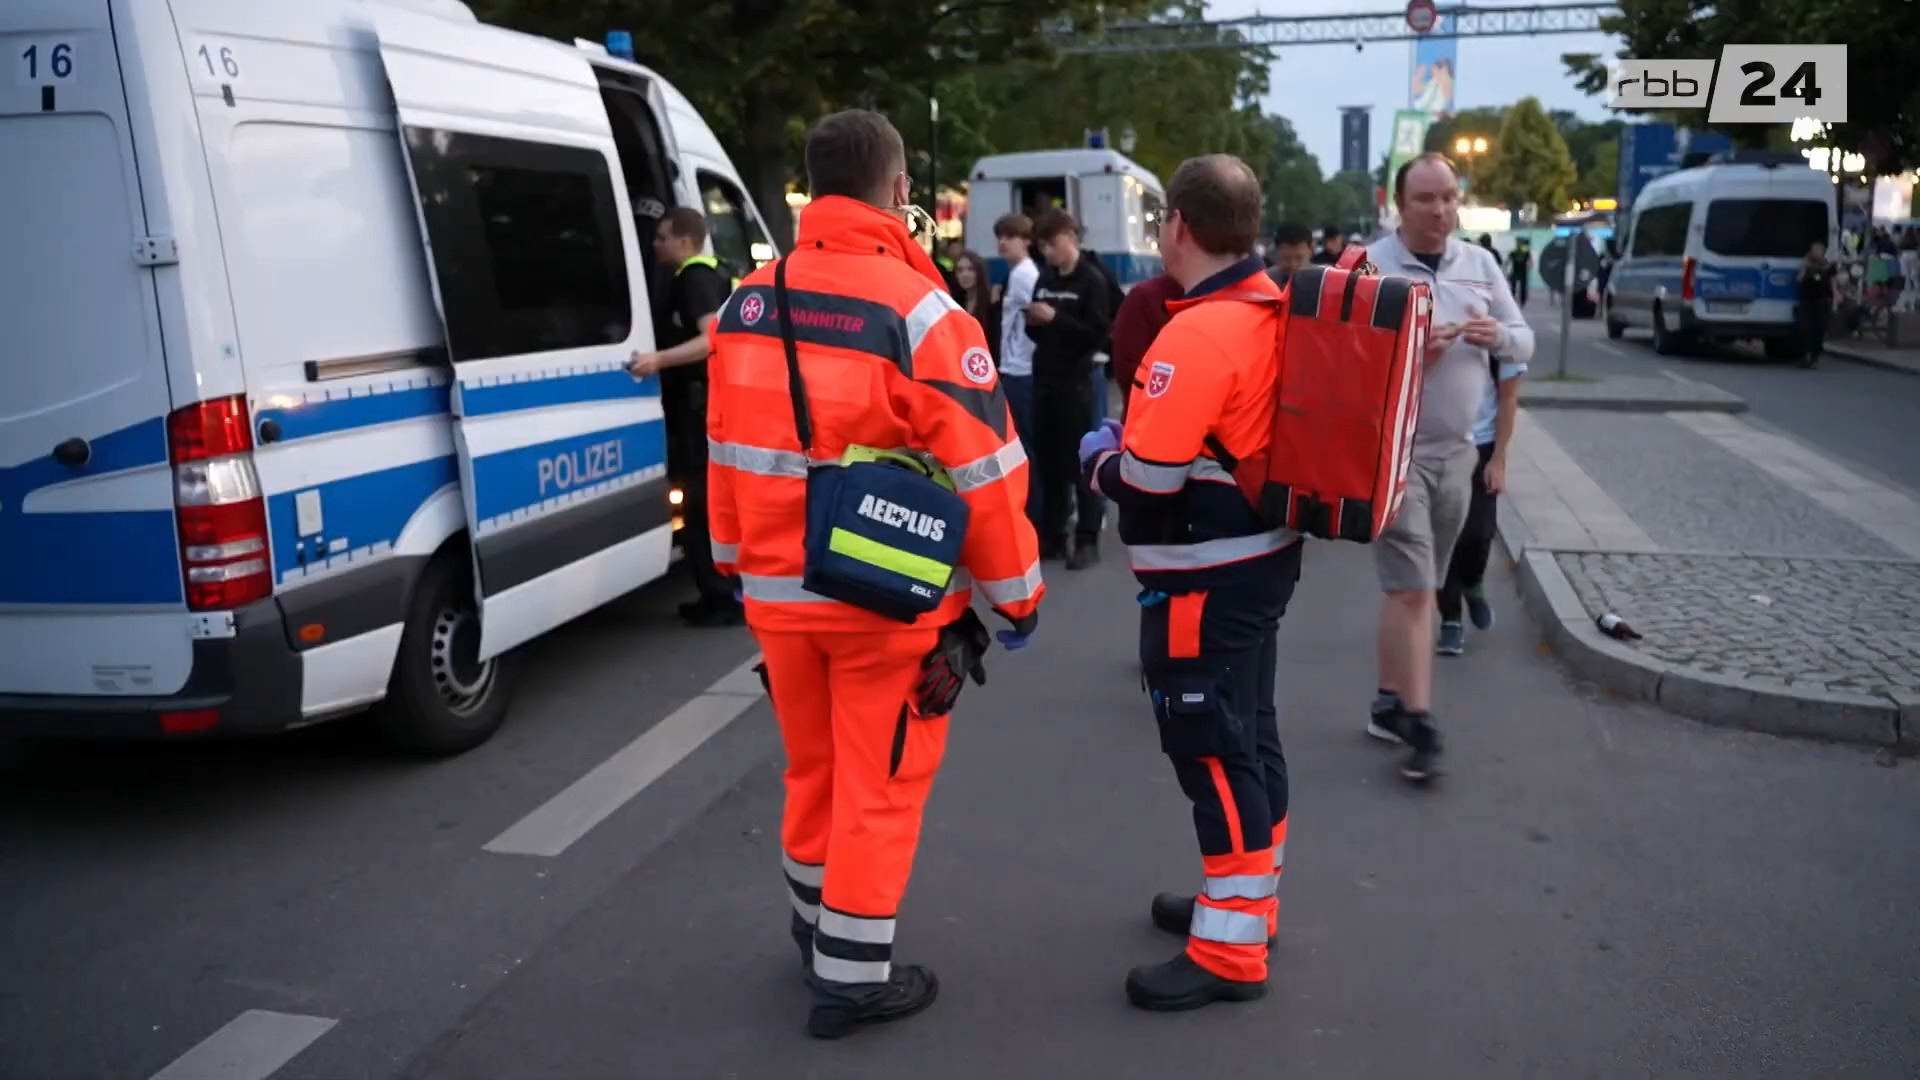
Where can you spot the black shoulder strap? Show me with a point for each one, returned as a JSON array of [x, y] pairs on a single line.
[[802, 421], [1219, 451]]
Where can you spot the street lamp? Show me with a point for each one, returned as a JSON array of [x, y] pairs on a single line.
[[1466, 147]]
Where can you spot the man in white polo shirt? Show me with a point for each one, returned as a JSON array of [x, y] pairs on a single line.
[[1473, 314]]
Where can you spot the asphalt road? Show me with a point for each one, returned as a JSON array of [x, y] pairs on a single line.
[[1596, 890], [1864, 416]]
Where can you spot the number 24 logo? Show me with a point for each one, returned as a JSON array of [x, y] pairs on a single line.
[[1800, 85]]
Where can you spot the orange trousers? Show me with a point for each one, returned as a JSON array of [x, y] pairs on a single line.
[[860, 764]]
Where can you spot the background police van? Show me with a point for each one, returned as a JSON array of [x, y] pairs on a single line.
[[1118, 204], [1713, 254], [315, 315]]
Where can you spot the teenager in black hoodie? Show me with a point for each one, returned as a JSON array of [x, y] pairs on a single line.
[[1068, 321]]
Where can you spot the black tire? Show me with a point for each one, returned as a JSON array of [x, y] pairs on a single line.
[[1785, 349], [440, 701], [1615, 328], [1665, 342]]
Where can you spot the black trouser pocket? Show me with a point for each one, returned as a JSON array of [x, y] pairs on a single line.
[[1186, 704], [899, 744]]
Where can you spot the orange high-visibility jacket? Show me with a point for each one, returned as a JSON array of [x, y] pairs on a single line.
[[1210, 372], [890, 361]]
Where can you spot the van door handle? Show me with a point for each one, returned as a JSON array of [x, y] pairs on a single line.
[[73, 453]]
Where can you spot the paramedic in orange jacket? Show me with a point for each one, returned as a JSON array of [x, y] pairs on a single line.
[[1215, 579], [889, 361]]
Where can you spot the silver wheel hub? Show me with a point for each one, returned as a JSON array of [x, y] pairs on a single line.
[[462, 680]]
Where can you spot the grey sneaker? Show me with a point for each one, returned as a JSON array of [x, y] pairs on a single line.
[[1384, 718], [1453, 639]]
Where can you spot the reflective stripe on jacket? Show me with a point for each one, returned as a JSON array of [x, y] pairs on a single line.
[[890, 361]]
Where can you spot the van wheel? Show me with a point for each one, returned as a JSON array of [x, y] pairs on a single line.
[[1665, 342], [442, 700], [1785, 349], [1615, 328]]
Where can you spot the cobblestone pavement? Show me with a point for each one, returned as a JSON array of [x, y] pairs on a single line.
[[1691, 494], [1846, 625]]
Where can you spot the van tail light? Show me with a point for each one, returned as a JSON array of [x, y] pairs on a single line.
[[1686, 278], [216, 496]]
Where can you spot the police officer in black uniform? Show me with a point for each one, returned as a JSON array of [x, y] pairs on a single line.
[[698, 288]]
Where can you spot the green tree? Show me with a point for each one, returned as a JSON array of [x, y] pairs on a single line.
[[760, 70], [1596, 153], [1600, 176], [1883, 100], [1529, 162], [1350, 201], [1481, 122], [1290, 179], [1178, 104]]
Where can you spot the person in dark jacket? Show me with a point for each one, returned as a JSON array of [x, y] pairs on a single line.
[[1069, 320], [1332, 243], [1102, 357], [1141, 316]]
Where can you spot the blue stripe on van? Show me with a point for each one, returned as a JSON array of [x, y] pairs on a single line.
[[1716, 282], [104, 557], [327, 417], [122, 557], [356, 512], [132, 447], [526, 476], [569, 389]]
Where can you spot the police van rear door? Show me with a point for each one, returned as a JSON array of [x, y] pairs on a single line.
[[527, 229], [91, 595]]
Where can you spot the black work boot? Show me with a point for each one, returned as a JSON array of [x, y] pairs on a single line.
[[1423, 760], [843, 1008], [1173, 913], [802, 932], [1085, 554], [1181, 984]]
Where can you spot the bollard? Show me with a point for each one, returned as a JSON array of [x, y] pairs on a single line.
[[1566, 306]]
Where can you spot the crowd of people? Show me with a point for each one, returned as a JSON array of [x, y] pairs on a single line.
[[861, 600]]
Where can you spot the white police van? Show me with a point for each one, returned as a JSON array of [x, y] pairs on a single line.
[[314, 321], [1118, 204], [1713, 253]]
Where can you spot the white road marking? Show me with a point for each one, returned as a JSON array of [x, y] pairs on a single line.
[[1880, 510], [1606, 348], [253, 1046], [1562, 506], [593, 798]]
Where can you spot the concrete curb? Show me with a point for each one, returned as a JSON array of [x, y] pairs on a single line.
[[1871, 360], [1635, 404], [1551, 601]]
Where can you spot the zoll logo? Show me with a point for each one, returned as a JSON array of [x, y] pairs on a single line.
[[1660, 84]]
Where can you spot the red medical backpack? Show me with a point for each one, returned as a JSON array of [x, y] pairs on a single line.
[[1347, 400]]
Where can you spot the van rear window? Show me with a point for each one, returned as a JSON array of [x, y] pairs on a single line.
[[1764, 228]]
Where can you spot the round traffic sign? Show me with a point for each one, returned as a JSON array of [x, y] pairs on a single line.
[[1421, 16]]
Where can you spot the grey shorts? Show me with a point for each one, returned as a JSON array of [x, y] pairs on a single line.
[[1411, 556]]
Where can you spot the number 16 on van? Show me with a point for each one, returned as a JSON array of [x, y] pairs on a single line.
[[1748, 84]]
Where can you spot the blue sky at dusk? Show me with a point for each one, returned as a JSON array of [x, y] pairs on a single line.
[[1311, 82]]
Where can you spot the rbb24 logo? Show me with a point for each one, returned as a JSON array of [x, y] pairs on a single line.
[[1749, 84]]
